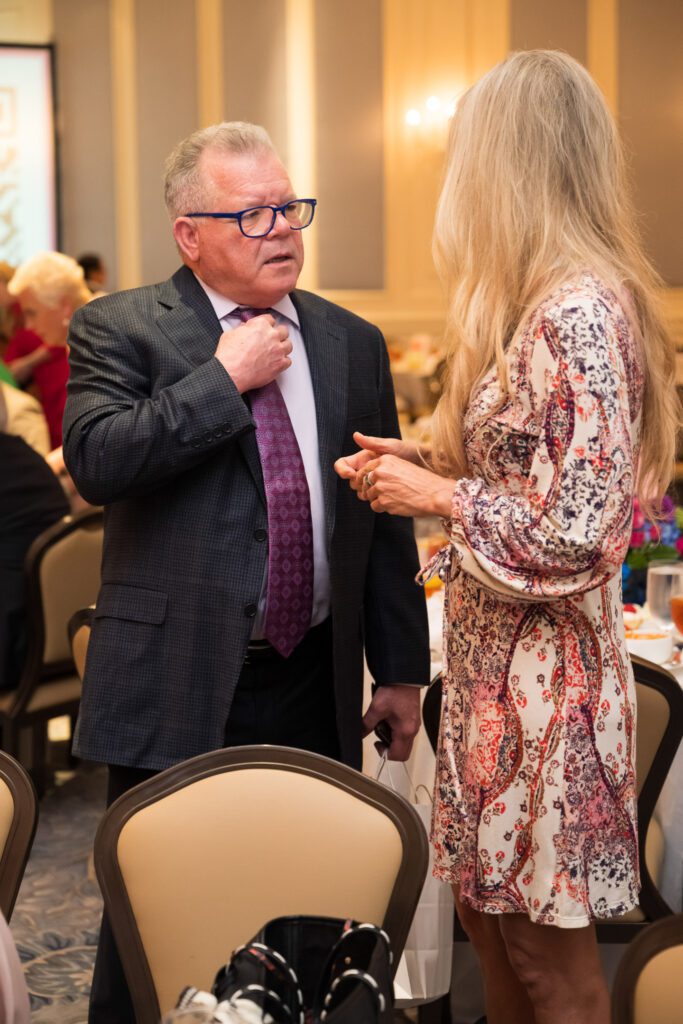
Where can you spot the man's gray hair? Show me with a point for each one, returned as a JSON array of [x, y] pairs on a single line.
[[183, 192]]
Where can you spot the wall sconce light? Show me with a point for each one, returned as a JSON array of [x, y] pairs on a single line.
[[435, 113]]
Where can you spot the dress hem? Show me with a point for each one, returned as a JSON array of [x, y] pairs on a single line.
[[618, 910]]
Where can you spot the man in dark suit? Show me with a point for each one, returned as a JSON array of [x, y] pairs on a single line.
[[241, 580]]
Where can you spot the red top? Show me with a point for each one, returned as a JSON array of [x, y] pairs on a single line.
[[50, 377]]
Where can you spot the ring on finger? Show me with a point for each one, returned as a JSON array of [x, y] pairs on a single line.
[[368, 480]]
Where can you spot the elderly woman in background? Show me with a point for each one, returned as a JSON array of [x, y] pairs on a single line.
[[559, 403], [49, 287]]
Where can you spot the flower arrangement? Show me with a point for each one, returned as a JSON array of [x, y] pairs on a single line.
[[661, 541]]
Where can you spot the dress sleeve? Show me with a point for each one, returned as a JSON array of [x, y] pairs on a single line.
[[564, 526], [22, 343]]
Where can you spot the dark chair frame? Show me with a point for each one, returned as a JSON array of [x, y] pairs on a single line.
[[656, 938], [35, 672], [83, 617], [407, 884], [21, 832]]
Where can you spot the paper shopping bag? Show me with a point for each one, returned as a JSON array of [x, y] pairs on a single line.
[[424, 972]]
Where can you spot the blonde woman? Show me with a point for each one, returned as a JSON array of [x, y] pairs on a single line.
[[50, 287], [558, 406]]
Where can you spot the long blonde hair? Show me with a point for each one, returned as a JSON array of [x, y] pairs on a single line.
[[535, 194]]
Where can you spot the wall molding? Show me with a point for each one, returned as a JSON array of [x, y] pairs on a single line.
[[125, 129], [301, 116], [209, 51]]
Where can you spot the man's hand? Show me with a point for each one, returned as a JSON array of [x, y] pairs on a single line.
[[254, 353], [399, 707]]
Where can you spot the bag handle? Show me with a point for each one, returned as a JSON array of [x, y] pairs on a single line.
[[413, 788]]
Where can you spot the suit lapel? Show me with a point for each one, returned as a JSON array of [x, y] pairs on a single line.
[[189, 321], [187, 317], [328, 358]]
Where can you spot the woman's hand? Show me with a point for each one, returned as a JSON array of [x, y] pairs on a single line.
[[403, 489], [352, 467]]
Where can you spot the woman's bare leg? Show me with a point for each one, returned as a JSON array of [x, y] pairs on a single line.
[[560, 969], [506, 998]]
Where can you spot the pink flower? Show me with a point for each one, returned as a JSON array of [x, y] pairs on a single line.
[[638, 517], [637, 538], [679, 545]]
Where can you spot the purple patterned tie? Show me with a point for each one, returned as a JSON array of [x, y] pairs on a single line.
[[289, 599]]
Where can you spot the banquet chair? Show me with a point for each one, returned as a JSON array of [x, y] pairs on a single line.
[[78, 628], [18, 820], [62, 574], [194, 861], [659, 731], [648, 987]]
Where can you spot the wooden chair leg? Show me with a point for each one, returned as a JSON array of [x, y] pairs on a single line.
[[437, 1012], [39, 767], [72, 760]]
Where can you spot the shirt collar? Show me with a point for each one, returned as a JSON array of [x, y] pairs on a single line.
[[224, 306]]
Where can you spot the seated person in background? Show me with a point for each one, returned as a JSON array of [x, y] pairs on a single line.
[[94, 271], [23, 417], [50, 288], [11, 318], [55, 460], [31, 500]]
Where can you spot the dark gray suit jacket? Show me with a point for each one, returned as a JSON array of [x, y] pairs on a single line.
[[156, 431]]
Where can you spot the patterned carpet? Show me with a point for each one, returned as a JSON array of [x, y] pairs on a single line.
[[57, 914]]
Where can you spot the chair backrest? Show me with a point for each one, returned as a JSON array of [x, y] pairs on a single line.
[[79, 628], [62, 571], [648, 987], [18, 820], [659, 731], [193, 862], [69, 573]]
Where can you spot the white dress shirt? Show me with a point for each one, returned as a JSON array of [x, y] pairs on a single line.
[[297, 391]]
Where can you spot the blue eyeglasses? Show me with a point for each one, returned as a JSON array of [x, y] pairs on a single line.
[[258, 221]]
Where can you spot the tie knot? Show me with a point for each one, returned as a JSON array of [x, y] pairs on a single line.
[[247, 313]]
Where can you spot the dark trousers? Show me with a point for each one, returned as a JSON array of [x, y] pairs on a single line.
[[283, 701]]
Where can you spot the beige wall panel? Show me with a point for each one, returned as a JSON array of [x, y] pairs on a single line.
[[651, 116], [560, 25], [88, 211], [254, 71], [349, 158], [427, 53], [26, 21], [167, 112]]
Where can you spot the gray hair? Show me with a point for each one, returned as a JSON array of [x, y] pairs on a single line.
[[183, 187]]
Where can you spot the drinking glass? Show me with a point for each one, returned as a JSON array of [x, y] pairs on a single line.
[[664, 588]]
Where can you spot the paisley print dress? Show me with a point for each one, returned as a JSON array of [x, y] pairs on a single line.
[[535, 807]]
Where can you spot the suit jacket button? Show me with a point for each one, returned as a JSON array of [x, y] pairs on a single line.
[[217, 435], [250, 611], [260, 534]]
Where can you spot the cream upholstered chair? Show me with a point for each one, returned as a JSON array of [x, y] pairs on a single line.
[[18, 820], [79, 628], [62, 572], [194, 861], [659, 731], [648, 988]]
